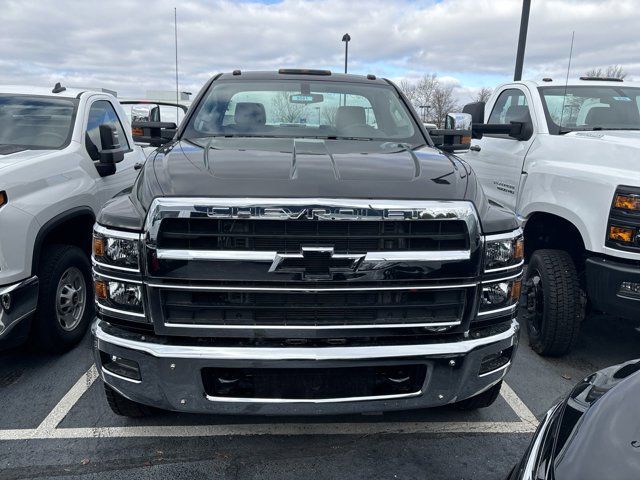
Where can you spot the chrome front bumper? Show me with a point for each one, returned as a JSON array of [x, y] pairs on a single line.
[[171, 374], [17, 302]]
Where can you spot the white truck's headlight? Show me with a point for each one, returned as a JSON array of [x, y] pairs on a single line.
[[120, 250], [503, 251]]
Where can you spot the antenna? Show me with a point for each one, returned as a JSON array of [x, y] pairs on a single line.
[[566, 81], [175, 28]]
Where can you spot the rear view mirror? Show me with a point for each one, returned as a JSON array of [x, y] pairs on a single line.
[[155, 134], [110, 151], [306, 99], [456, 136], [476, 110]]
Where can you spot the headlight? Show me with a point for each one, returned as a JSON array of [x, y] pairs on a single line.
[[116, 249], [504, 251], [119, 296], [500, 295], [627, 201]]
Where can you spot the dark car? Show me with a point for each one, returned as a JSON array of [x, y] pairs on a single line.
[[593, 434]]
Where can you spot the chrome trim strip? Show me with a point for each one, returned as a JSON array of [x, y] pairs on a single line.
[[502, 269], [15, 286], [491, 372], [308, 289], [108, 232], [117, 279], [300, 353], [119, 377], [503, 279], [249, 255], [499, 310], [504, 236], [121, 312], [212, 398], [322, 209], [94, 262], [310, 327], [532, 459]]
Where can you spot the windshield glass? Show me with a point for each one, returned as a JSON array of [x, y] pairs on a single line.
[[36, 122], [311, 109], [591, 108]]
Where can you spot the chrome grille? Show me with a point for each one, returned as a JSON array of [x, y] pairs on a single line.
[[317, 257]]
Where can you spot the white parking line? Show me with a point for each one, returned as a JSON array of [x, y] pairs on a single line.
[[48, 429]]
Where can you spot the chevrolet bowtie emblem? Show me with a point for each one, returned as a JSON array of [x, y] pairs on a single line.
[[315, 262]]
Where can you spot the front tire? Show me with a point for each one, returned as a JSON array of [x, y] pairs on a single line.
[[65, 299], [554, 304]]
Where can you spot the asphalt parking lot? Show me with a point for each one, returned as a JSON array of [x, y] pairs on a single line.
[[54, 423]]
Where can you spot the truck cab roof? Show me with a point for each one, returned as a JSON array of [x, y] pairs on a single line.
[[69, 92], [573, 82]]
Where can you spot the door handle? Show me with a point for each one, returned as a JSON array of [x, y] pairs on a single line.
[[475, 148]]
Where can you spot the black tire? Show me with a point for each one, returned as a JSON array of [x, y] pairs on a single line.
[[554, 302], [48, 330], [482, 400], [123, 406]]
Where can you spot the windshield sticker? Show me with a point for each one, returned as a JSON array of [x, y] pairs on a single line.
[[622, 99]]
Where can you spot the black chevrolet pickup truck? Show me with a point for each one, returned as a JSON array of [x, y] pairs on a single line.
[[300, 246]]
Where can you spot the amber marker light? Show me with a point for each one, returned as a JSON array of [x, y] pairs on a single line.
[[98, 247], [627, 202], [621, 234], [518, 251], [516, 289], [101, 290]]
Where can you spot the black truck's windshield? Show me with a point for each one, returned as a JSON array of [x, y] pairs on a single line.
[[304, 109], [591, 108]]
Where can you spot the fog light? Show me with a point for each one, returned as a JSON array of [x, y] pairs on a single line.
[[122, 367], [495, 295], [495, 361], [125, 294], [629, 289], [622, 234]]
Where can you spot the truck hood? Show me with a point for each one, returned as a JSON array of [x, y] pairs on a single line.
[[250, 167], [14, 156], [626, 138]]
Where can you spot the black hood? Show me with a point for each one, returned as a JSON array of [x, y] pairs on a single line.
[[245, 167], [289, 168]]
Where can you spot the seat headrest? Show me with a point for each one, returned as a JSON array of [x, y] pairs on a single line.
[[517, 113], [250, 114], [347, 116], [599, 116]]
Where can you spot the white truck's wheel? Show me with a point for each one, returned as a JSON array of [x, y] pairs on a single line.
[[65, 299], [554, 307]]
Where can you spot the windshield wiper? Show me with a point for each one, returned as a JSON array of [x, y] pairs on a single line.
[[337, 137]]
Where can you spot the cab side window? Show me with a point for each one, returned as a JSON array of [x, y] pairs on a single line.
[[100, 113], [511, 106]]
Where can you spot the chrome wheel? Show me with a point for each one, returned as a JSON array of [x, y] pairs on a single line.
[[71, 298]]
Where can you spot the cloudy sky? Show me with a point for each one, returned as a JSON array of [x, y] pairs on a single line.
[[128, 45]]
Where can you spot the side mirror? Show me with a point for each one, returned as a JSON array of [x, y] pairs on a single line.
[[456, 136], [476, 110], [155, 134], [110, 151]]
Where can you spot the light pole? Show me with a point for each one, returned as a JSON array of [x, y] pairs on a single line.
[[522, 39], [425, 112], [346, 38]]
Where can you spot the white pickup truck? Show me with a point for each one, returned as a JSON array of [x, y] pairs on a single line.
[[571, 171], [63, 154]]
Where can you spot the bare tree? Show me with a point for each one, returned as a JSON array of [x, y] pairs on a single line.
[[420, 93], [443, 102], [285, 111], [612, 71], [483, 95], [329, 115]]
